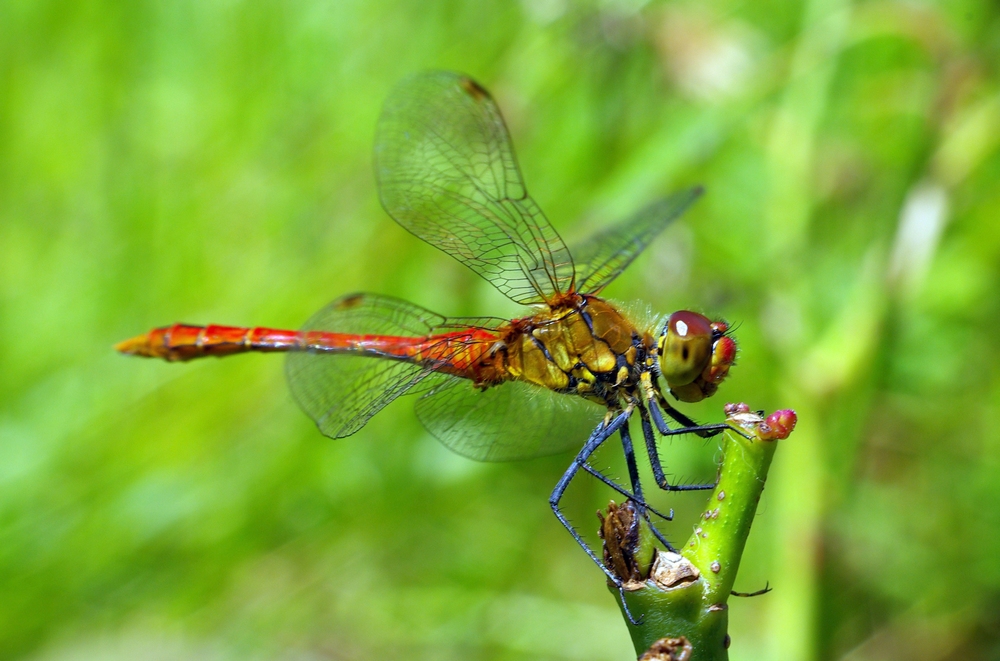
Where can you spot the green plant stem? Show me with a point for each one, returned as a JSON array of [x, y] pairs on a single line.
[[697, 608]]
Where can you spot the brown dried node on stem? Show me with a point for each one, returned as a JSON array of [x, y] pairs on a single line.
[[620, 532], [669, 649]]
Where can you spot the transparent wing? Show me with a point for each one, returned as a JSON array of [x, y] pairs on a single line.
[[341, 392], [514, 420], [446, 172], [603, 256]]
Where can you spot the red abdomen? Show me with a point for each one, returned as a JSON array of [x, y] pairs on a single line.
[[463, 353]]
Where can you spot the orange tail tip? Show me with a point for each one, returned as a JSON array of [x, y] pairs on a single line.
[[136, 346], [187, 342], [184, 342]]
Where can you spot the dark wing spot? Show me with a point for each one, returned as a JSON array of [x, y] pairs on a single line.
[[352, 301], [473, 89]]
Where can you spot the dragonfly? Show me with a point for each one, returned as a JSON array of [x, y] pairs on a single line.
[[574, 370]]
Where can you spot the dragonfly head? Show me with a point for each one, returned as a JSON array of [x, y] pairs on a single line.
[[695, 354]]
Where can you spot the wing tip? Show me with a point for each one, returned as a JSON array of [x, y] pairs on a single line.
[[472, 88]]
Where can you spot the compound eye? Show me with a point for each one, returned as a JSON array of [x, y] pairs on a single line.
[[685, 347], [685, 324]]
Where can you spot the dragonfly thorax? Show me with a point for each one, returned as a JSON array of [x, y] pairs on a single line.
[[695, 354], [582, 346]]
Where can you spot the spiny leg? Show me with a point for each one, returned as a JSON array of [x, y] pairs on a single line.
[[633, 475], [679, 417], [633, 469], [688, 426], [601, 434], [654, 454], [625, 492]]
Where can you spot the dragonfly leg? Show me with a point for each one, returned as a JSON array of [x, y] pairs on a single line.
[[644, 508], [633, 474], [625, 492], [688, 426], [633, 469], [654, 455], [601, 434], [628, 613], [656, 531]]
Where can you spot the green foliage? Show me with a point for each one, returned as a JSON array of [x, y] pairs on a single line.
[[211, 162]]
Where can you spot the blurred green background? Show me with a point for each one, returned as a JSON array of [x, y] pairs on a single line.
[[211, 162]]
